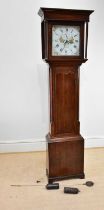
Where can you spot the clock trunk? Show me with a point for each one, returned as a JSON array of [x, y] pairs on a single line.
[[64, 99]]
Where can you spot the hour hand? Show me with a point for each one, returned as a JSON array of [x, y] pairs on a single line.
[[66, 41]]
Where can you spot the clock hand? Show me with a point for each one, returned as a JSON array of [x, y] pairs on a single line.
[[66, 36], [66, 42], [70, 41], [63, 47]]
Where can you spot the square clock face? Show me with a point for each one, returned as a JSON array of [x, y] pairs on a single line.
[[65, 40]]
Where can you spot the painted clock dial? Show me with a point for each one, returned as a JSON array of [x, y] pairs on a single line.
[[65, 40]]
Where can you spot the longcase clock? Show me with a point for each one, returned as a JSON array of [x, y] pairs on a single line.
[[64, 34]]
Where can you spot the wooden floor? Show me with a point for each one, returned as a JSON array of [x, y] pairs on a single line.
[[19, 189]]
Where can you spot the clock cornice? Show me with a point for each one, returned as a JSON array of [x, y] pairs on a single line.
[[64, 14]]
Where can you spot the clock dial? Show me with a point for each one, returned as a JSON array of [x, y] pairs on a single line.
[[65, 40]]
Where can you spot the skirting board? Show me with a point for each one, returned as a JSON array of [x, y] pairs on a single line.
[[27, 145], [30, 145]]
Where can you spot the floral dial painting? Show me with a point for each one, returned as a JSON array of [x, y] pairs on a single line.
[[65, 40]]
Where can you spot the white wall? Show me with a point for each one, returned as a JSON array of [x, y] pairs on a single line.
[[24, 76]]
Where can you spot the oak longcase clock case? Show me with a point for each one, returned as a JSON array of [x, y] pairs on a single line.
[[64, 34]]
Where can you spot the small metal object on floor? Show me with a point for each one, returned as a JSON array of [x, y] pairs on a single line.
[[89, 183], [71, 190], [53, 186]]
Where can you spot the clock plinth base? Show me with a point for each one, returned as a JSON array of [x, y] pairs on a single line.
[[65, 158]]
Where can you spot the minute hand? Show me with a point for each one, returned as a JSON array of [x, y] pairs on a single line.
[[67, 42], [70, 41]]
